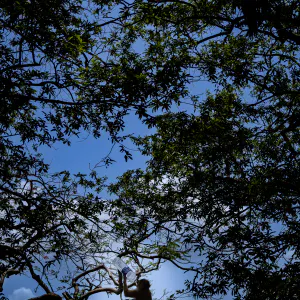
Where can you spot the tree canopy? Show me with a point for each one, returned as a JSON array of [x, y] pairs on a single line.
[[222, 180], [225, 178]]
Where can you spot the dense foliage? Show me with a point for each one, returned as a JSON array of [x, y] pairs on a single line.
[[223, 176], [224, 180]]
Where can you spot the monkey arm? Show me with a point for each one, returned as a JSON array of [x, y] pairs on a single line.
[[127, 292]]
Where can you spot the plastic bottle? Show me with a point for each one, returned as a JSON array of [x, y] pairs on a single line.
[[122, 267]]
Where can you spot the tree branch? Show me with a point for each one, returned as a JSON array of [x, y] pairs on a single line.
[[37, 278], [102, 266]]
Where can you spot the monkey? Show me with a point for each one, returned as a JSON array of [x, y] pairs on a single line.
[[141, 293]]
